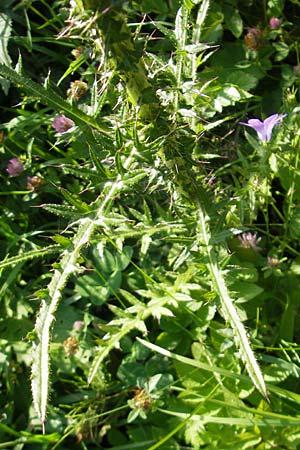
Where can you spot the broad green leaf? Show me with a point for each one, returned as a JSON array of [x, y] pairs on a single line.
[[294, 224], [245, 291], [233, 20], [282, 50]]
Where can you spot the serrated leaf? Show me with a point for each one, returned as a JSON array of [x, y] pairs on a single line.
[[81, 172], [5, 32], [97, 163], [133, 177], [75, 201], [228, 309], [52, 99], [63, 241], [8, 262], [130, 298], [66, 211]]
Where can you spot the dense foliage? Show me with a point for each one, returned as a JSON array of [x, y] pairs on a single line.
[[150, 227]]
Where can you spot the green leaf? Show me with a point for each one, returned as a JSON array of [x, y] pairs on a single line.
[[245, 291], [229, 95], [65, 317], [282, 50], [294, 224], [133, 177], [63, 241], [123, 259], [233, 20], [66, 211], [107, 261], [92, 288], [227, 306], [49, 97], [5, 32], [29, 255], [189, 4], [75, 201], [12, 329], [83, 172]]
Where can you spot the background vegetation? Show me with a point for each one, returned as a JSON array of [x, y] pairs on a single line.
[[150, 241]]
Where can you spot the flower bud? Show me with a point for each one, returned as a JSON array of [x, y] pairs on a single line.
[[77, 52], [77, 325], [14, 167], [70, 346], [254, 39], [61, 124], [275, 23], [34, 182], [77, 89]]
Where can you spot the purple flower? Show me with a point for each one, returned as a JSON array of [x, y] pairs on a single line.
[[61, 124], [264, 129], [14, 167], [275, 23], [77, 325], [249, 240]]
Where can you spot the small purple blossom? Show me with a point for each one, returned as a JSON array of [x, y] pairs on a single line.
[[275, 23], [14, 167], [61, 123], [77, 325], [264, 128], [249, 240]]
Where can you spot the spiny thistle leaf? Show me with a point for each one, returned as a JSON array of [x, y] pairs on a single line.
[[63, 270], [66, 211], [40, 350], [49, 97], [83, 173], [228, 309], [75, 201], [8, 262]]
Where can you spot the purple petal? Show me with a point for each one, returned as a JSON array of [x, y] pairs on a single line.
[[253, 123], [14, 167], [275, 23], [264, 129], [269, 124], [258, 126], [61, 123]]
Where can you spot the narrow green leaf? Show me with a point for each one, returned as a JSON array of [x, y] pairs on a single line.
[[29, 255], [5, 59], [50, 98], [66, 211], [228, 309], [75, 201]]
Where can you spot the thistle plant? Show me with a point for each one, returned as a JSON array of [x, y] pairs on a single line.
[[151, 299], [96, 216]]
